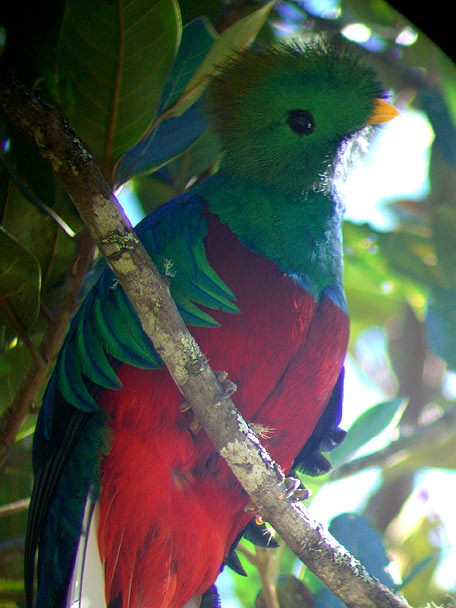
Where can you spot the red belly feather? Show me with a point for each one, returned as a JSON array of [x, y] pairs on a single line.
[[170, 508]]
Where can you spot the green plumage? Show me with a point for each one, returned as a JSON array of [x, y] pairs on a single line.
[[107, 327], [250, 100], [302, 235], [274, 185]]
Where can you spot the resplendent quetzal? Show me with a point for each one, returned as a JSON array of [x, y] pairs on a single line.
[[253, 256]]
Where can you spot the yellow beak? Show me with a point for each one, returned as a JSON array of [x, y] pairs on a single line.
[[383, 112]]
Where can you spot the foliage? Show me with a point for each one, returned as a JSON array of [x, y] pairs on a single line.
[[131, 77]]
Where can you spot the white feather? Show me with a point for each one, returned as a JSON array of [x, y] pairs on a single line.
[[87, 584]]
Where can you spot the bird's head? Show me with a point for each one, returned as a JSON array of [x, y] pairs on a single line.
[[283, 113]]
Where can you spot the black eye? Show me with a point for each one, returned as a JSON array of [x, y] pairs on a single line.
[[301, 121]]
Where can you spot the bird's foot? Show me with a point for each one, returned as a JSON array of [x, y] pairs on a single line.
[[251, 507], [294, 490], [228, 387], [194, 424]]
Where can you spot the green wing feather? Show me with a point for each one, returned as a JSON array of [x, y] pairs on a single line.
[[106, 330]]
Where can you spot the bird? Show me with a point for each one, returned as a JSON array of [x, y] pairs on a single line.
[[253, 259]]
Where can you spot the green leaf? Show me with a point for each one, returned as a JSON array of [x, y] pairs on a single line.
[[420, 551], [170, 137], [113, 60], [13, 363], [448, 85], [41, 237], [365, 543], [418, 569], [20, 282], [367, 426], [158, 188], [201, 155], [236, 37], [197, 40], [28, 426], [181, 122]]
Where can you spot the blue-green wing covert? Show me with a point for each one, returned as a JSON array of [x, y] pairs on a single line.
[[106, 329]]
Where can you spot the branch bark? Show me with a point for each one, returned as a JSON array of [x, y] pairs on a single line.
[[260, 476]]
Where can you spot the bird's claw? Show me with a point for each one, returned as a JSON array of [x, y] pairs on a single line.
[[251, 507], [221, 375], [228, 387], [194, 425], [294, 490]]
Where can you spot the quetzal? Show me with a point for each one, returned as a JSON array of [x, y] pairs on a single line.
[[253, 256]]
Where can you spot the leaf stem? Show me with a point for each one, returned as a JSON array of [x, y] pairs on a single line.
[[416, 437], [265, 567]]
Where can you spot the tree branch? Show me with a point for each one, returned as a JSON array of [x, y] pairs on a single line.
[[251, 464], [14, 507], [417, 437]]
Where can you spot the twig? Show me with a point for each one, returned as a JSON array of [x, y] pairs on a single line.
[[265, 561], [415, 438], [264, 564], [14, 507], [271, 571], [258, 474]]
